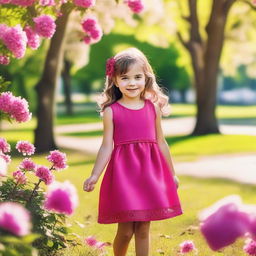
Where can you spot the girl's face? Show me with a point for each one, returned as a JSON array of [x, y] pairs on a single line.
[[132, 83]]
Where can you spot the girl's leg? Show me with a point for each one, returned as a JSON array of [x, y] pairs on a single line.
[[123, 236], [142, 238]]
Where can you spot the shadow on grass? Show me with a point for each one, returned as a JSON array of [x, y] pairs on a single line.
[[176, 139], [238, 121], [248, 188]]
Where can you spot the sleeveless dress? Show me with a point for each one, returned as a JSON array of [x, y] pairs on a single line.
[[138, 184]]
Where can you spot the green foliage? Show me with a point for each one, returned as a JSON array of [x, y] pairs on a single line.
[[163, 61]]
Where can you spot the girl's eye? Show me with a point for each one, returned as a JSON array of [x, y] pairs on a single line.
[[138, 77], [124, 78]]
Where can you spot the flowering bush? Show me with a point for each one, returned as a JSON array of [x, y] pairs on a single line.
[[25, 203], [36, 19]]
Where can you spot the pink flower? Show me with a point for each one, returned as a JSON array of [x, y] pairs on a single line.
[[254, 2], [250, 247], [91, 241], [15, 40], [24, 3], [4, 1], [93, 30], [3, 166], [61, 198], [19, 110], [58, 159], [27, 165], [4, 146], [15, 218], [84, 3], [45, 26], [4, 60], [33, 38], [25, 147], [135, 5], [224, 222], [20, 177], [110, 67], [187, 246], [47, 2], [87, 40], [44, 174], [89, 24], [6, 99], [16, 107], [100, 245], [6, 158]]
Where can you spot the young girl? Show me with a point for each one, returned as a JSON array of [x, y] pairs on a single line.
[[139, 184]]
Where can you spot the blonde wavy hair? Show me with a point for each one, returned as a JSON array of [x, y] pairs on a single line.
[[152, 90]]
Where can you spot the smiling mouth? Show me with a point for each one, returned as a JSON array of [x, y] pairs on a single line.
[[132, 89]]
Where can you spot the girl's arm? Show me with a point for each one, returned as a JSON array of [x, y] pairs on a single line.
[[104, 152], [161, 140]]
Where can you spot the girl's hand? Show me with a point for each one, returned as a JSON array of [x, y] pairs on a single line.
[[89, 184], [176, 180]]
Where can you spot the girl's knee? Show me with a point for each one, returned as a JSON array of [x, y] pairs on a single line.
[[142, 229], [126, 230]]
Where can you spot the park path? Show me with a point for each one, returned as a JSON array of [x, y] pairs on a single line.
[[238, 167]]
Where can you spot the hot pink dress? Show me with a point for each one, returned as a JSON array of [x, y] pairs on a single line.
[[137, 184]]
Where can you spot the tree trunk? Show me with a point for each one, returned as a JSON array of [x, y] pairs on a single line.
[[44, 135], [205, 56], [67, 87]]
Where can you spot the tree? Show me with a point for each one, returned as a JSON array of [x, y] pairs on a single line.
[[205, 56]]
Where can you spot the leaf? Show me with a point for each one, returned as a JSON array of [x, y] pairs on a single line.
[[50, 243], [30, 238]]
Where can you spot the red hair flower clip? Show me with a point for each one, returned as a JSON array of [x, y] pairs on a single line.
[[110, 67]]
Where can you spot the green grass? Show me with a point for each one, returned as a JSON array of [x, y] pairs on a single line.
[[195, 195], [195, 146]]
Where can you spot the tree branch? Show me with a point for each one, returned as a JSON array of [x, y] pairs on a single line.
[[193, 19], [248, 3], [184, 43]]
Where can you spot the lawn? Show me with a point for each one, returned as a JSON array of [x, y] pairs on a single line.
[[195, 194]]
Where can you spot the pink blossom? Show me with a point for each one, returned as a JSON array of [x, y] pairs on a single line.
[[20, 177], [4, 146], [136, 6], [4, 1], [6, 158], [27, 164], [58, 159], [4, 60], [187, 246], [19, 110], [254, 2], [15, 218], [25, 147], [91, 241], [84, 3], [47, 2], [3, 166], [6, 99], [44, 174], [87, 40], [61, 198], [24, 3], [33, 38], [16, 107], [15, 40], [89, 24], [45, 26], [250, 247], [100, 245], [224, 222], [110, 67], [96, 33]]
